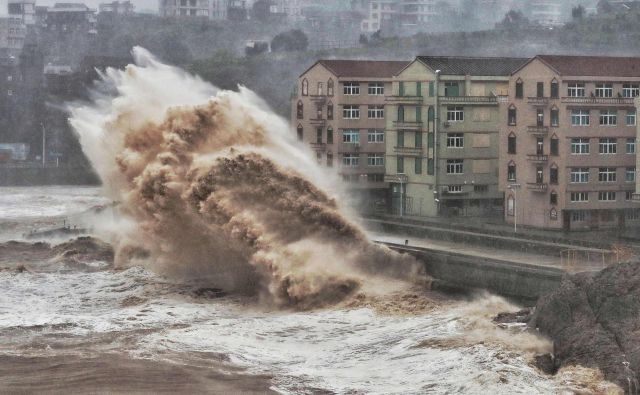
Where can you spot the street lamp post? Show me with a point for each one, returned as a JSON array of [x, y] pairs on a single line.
[[514, 188]]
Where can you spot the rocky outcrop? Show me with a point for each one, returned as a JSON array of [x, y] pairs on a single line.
[[594, 321]]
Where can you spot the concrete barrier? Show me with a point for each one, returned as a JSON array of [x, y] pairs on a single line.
[[525, 282]]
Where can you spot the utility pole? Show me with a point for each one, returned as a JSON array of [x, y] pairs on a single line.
[[44, 142]]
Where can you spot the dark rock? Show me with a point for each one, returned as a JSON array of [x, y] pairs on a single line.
[[594, 321], [546, 364], [521, 316]]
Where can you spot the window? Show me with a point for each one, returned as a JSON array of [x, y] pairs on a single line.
[[511, 144], [553, 198], [418, 139], [578, 197], [300, 132], [580, 146], [579, 215], [580, 175], [519, 89], [511, 205], [451, 89], [400, 113], [319, 157], [607, 196], [480, 188], [576, 89], [351, 112], [375, 112], [418, 165], [376, 88], [554, 89], [580, 118], [553, 176], [329, 159], [300, 110], [555, 117], [631, 146], [540, 89], [511, 172], [540, 117], [319, 135], [608, 117], [375, 159], [319, 111], [330, 87], [400, 165], [554, 146], [401, 88], [305, 87], [604, 90], [400, 138], [455, 114], [351, 88], [330, 111], [630, 90], [375, 136], [320, 88], [430, 166], [329, 135], [608, 146], [628, 195], [350, 160], [630, 174], [455, 140], [553, 214], [607, 174], [351, 136], [512, 116], [455, 166], [631, 117]]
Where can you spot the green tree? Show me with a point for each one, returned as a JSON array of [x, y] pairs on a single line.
[[292, 40]]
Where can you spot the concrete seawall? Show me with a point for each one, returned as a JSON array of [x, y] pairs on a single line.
[[518, 280], [30, 176]]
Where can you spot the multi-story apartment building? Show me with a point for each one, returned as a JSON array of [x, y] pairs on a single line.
[[442, 135], [25, 10], [117, 7], [184, 8], [338, 108], [568, 142]]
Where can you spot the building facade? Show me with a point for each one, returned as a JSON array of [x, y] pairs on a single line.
[[184, 8], [568, 142], [443, 135], [339, 109]]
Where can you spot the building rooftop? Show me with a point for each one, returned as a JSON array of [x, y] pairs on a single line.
[[454, 65], [363, 68], [597, 66]]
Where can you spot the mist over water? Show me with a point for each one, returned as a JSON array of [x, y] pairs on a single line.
[[217, 188]]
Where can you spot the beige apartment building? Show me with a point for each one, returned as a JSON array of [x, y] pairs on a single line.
[[338, 108], [568, 142], [443, 135]]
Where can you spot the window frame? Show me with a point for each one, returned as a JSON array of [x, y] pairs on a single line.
[[351, 88], [579, 197], [604, 89], [579, 175], [350, 160], [580, 117], [455, 113], [576, 89], [580, 146], [455, 166], [375, 160], [375, 136], [607, 174], [351, 111], [375, 89], [455, 140], [375, 111], [607, 146], [351, 136]]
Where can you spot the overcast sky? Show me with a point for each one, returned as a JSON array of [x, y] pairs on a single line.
[[140, 4]]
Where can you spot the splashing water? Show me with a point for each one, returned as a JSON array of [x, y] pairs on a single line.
[[217, 188]]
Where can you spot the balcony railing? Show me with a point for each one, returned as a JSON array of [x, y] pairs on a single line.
[[318, 122], [636, 197], [404, 99], [408, 151], [538, 101], [598, 100], [469, 99], [538, 158], [396, 178], [408, 125], [318, 146], [541, 130], [538, 187]]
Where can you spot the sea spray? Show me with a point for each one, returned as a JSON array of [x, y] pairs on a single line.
[[217, 188]]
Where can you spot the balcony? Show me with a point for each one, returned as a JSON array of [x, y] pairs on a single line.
[[318, 146], [468, 99], [404, 99], [408, 125], [538, 187], [396, 178], [538, 130], [408, 151], [636, 197], [607, 101], [538, 158], [319, 99], [538, 101], [318, 122]]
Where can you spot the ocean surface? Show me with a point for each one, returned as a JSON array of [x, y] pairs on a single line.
[[85, 326]]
